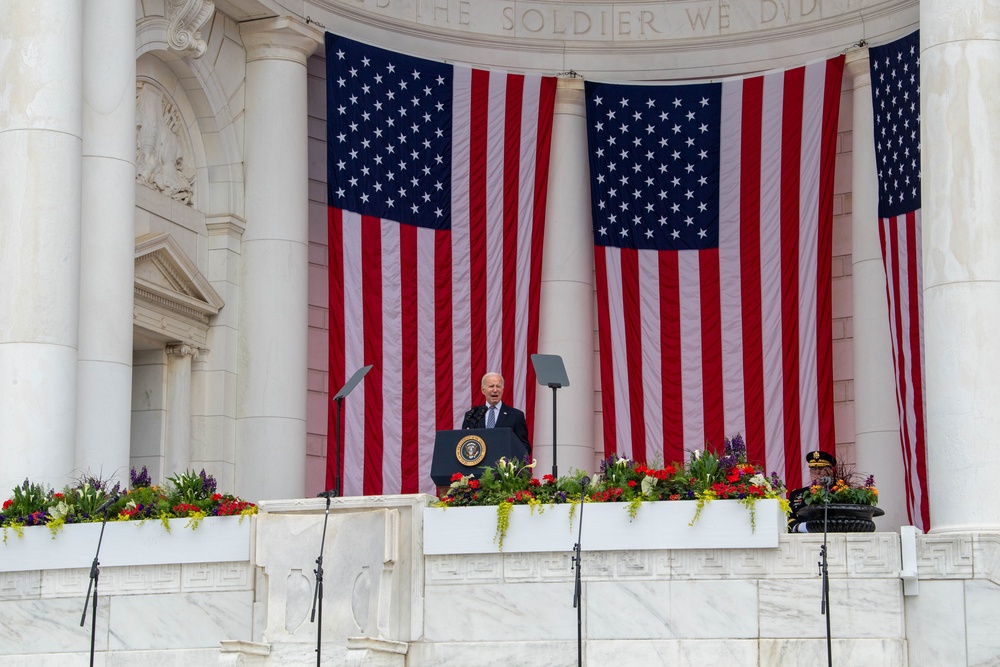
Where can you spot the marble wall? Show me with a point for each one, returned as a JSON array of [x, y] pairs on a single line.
[[386, 603]]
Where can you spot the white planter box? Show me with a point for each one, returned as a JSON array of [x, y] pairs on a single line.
[[723, 524], [216, 540]]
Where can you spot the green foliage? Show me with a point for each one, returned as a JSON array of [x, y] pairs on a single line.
[[188, 494], [706, 477], [850, 489]]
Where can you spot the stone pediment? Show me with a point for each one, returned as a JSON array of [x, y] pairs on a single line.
[[173, 299]]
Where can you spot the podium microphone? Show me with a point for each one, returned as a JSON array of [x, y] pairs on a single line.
[[826, 481], [330, 493]]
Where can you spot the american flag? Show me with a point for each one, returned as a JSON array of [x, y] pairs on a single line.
[[436, 188], [712, 209], [895, 74]]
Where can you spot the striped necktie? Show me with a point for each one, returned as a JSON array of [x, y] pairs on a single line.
[[491, 419]]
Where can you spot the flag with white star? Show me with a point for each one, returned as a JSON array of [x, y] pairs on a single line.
[[436, 179], [712, 210], [895, 79]]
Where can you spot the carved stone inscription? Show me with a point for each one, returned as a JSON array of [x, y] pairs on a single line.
[[609, 21]]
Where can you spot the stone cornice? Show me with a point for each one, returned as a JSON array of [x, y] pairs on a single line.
[[656, 39], [281, 38]]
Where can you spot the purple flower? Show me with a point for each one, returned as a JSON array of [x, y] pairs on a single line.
[[208, 483], [139, 480], [736, 448]]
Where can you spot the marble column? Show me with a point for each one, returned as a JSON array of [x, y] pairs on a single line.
[[271, 395], [107, 244], [960, 162], [566, 322], [177, 440], [876, 415], [40, 145]]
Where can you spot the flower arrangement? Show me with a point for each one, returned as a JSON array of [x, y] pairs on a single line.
[[705, 477], [850, 488], [188, 494]]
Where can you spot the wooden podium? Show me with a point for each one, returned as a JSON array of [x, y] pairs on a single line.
[[468, 450]]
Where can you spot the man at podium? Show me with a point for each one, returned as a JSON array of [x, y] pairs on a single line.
[[494, 414]]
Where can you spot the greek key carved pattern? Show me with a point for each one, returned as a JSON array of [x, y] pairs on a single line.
[[799, 554], [521, 567], [986, 557], [20, 585], [65, 583], [633, 564], [700, 564], [458, 569], [945, 556], [139, 579], [537, 567], [873, 555], [216, 577], [557, 567]]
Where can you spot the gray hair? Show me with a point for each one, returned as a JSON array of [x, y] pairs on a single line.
[[483, 383]]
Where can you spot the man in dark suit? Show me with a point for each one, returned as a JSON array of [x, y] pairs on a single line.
[[494, 414], [822, 465]]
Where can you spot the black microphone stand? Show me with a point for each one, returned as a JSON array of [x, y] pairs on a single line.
[[577, 590], [95, 574], [824, 571], [318, 590]]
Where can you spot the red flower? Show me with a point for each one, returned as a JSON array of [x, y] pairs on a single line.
[[631, 483], [734, 476], [216, 497], [183, 508], [474, 484], [534, 482], [548, 479], [7, 503], [57, 495], [675, 496], [457, 476]]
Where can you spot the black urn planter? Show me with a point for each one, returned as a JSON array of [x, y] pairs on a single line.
[[841, 518]]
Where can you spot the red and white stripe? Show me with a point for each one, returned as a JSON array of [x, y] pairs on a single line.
[[432, 311], [700, 345], [901, 255]]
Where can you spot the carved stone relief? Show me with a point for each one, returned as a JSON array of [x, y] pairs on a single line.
[[184, 18], [162, 148]]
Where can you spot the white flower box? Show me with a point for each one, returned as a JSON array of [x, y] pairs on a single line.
[[723, 524], [216, 540]]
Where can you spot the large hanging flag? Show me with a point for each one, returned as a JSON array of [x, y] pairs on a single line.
[[712, 209], [436, 188], [895, 74]]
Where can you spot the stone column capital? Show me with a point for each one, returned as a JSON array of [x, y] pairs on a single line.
[[183, 350], [570, 96], [282, 38], [856, 65]]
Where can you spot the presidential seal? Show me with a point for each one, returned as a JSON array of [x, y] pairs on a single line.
[[471, 450]]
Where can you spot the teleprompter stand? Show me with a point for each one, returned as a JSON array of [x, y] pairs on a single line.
[[339, 400], [551, 372]]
